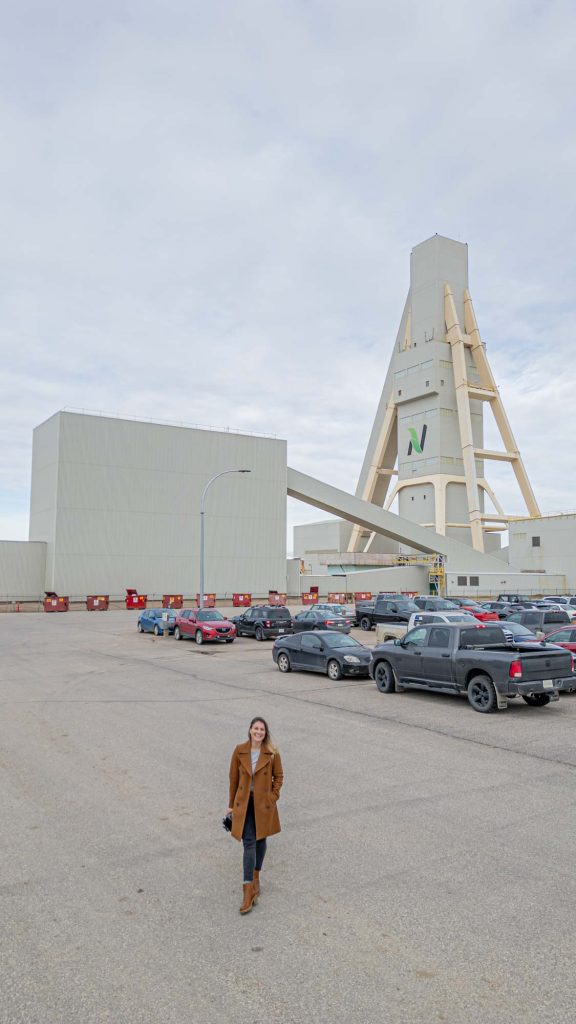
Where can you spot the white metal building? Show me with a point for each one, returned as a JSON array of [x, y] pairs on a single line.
[[116, 504]]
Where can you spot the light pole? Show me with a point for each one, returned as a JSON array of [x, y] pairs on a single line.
[[202, 502]]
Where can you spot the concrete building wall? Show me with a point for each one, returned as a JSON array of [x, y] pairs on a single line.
[[490, 584], [410, 578], [547, 544], [118, 503], [22, 569]]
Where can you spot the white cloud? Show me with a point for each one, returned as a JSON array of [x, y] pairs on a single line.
[[208, 210]]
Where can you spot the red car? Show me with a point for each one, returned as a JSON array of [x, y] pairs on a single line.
[[565, 637], [204, 624], [469, 605]]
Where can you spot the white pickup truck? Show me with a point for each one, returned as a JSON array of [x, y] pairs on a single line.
[[394, 631]]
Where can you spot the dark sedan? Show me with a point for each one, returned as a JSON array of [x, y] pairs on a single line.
[[331, 653], [317, 618]]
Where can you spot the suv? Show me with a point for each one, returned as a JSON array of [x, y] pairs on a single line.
[[264, 621], [429, 603], [539, 620]]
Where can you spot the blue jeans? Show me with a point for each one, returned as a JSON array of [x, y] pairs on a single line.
[[254, 849]]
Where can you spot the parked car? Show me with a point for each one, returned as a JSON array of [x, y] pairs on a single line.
[[339, 609], [335, 654], [469, 605], [152, 621], [539, 620], [560, 602], [566, 637], [429, 603], [501, 608], [204, 624], [315, 618], [513, 598], [475, 660], [458, 615], [264, 621], [384, 609], [515, 632]]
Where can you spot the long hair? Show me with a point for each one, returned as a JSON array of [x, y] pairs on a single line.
[[267, 742]]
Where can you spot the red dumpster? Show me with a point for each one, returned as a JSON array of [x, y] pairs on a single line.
[[363, 595], [172, 601], [275, 597], [209, 600], [337, 598], [241, 600], [311, 598], [97, 603], [53, 603], [134, 599]]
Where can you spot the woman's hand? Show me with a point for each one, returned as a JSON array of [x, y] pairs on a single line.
[[229, 810]]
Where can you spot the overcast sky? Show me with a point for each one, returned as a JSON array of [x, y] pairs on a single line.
[[207, 212]]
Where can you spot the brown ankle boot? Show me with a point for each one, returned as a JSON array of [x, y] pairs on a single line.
[[248, 902], [256, 884]]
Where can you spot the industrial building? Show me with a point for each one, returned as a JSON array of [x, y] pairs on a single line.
[[115, 503]]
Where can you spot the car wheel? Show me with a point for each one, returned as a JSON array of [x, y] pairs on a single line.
[[482, 695], [156, 631], [365, 623], [284, 662], [140, 627], [259, 634], [177, 633], [384, 677], [537, 700], [199, 637], [334, 670]]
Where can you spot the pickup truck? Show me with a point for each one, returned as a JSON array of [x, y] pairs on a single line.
[[385, 609], [475, 660]]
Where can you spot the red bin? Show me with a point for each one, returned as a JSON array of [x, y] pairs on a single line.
[[311, 598], [98, 603], [275, 597], [337, 598], [363, 595], [172, 601], [53, 603], [209, 600], [134, 599], [241, 600]]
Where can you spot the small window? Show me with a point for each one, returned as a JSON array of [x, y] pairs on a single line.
[[474, 581], [535, 542], [462, 581], [439, 637], [399, 391], [415, 638], [311, 643], [427, 383]]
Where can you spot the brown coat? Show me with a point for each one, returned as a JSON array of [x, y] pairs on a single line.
[[268, 778]]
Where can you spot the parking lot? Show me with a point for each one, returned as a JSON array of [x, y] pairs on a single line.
[[425, 871]]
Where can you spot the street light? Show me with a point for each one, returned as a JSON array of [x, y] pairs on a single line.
[[202, 502]]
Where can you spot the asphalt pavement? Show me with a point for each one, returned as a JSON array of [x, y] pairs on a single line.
[[424, 872]]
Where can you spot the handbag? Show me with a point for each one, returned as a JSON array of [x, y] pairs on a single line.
[[227, 823]]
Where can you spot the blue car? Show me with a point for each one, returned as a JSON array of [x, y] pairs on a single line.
[[152, 621]]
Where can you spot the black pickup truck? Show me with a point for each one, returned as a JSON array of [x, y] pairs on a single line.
[[475, 660], [386, 608]]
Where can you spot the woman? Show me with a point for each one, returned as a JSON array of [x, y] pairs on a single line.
[[255, 781]]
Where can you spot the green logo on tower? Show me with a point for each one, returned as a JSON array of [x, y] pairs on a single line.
[[415, 444]]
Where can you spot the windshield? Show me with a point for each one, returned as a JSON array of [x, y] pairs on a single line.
[[340, 641], [482, 637], [408, 606], [441, 606], [277, 613], [210, 616]]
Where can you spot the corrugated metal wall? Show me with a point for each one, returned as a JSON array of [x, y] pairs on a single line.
[[126, 507], [22, 569]]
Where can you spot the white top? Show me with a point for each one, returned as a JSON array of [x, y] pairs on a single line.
[[254, 754]]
